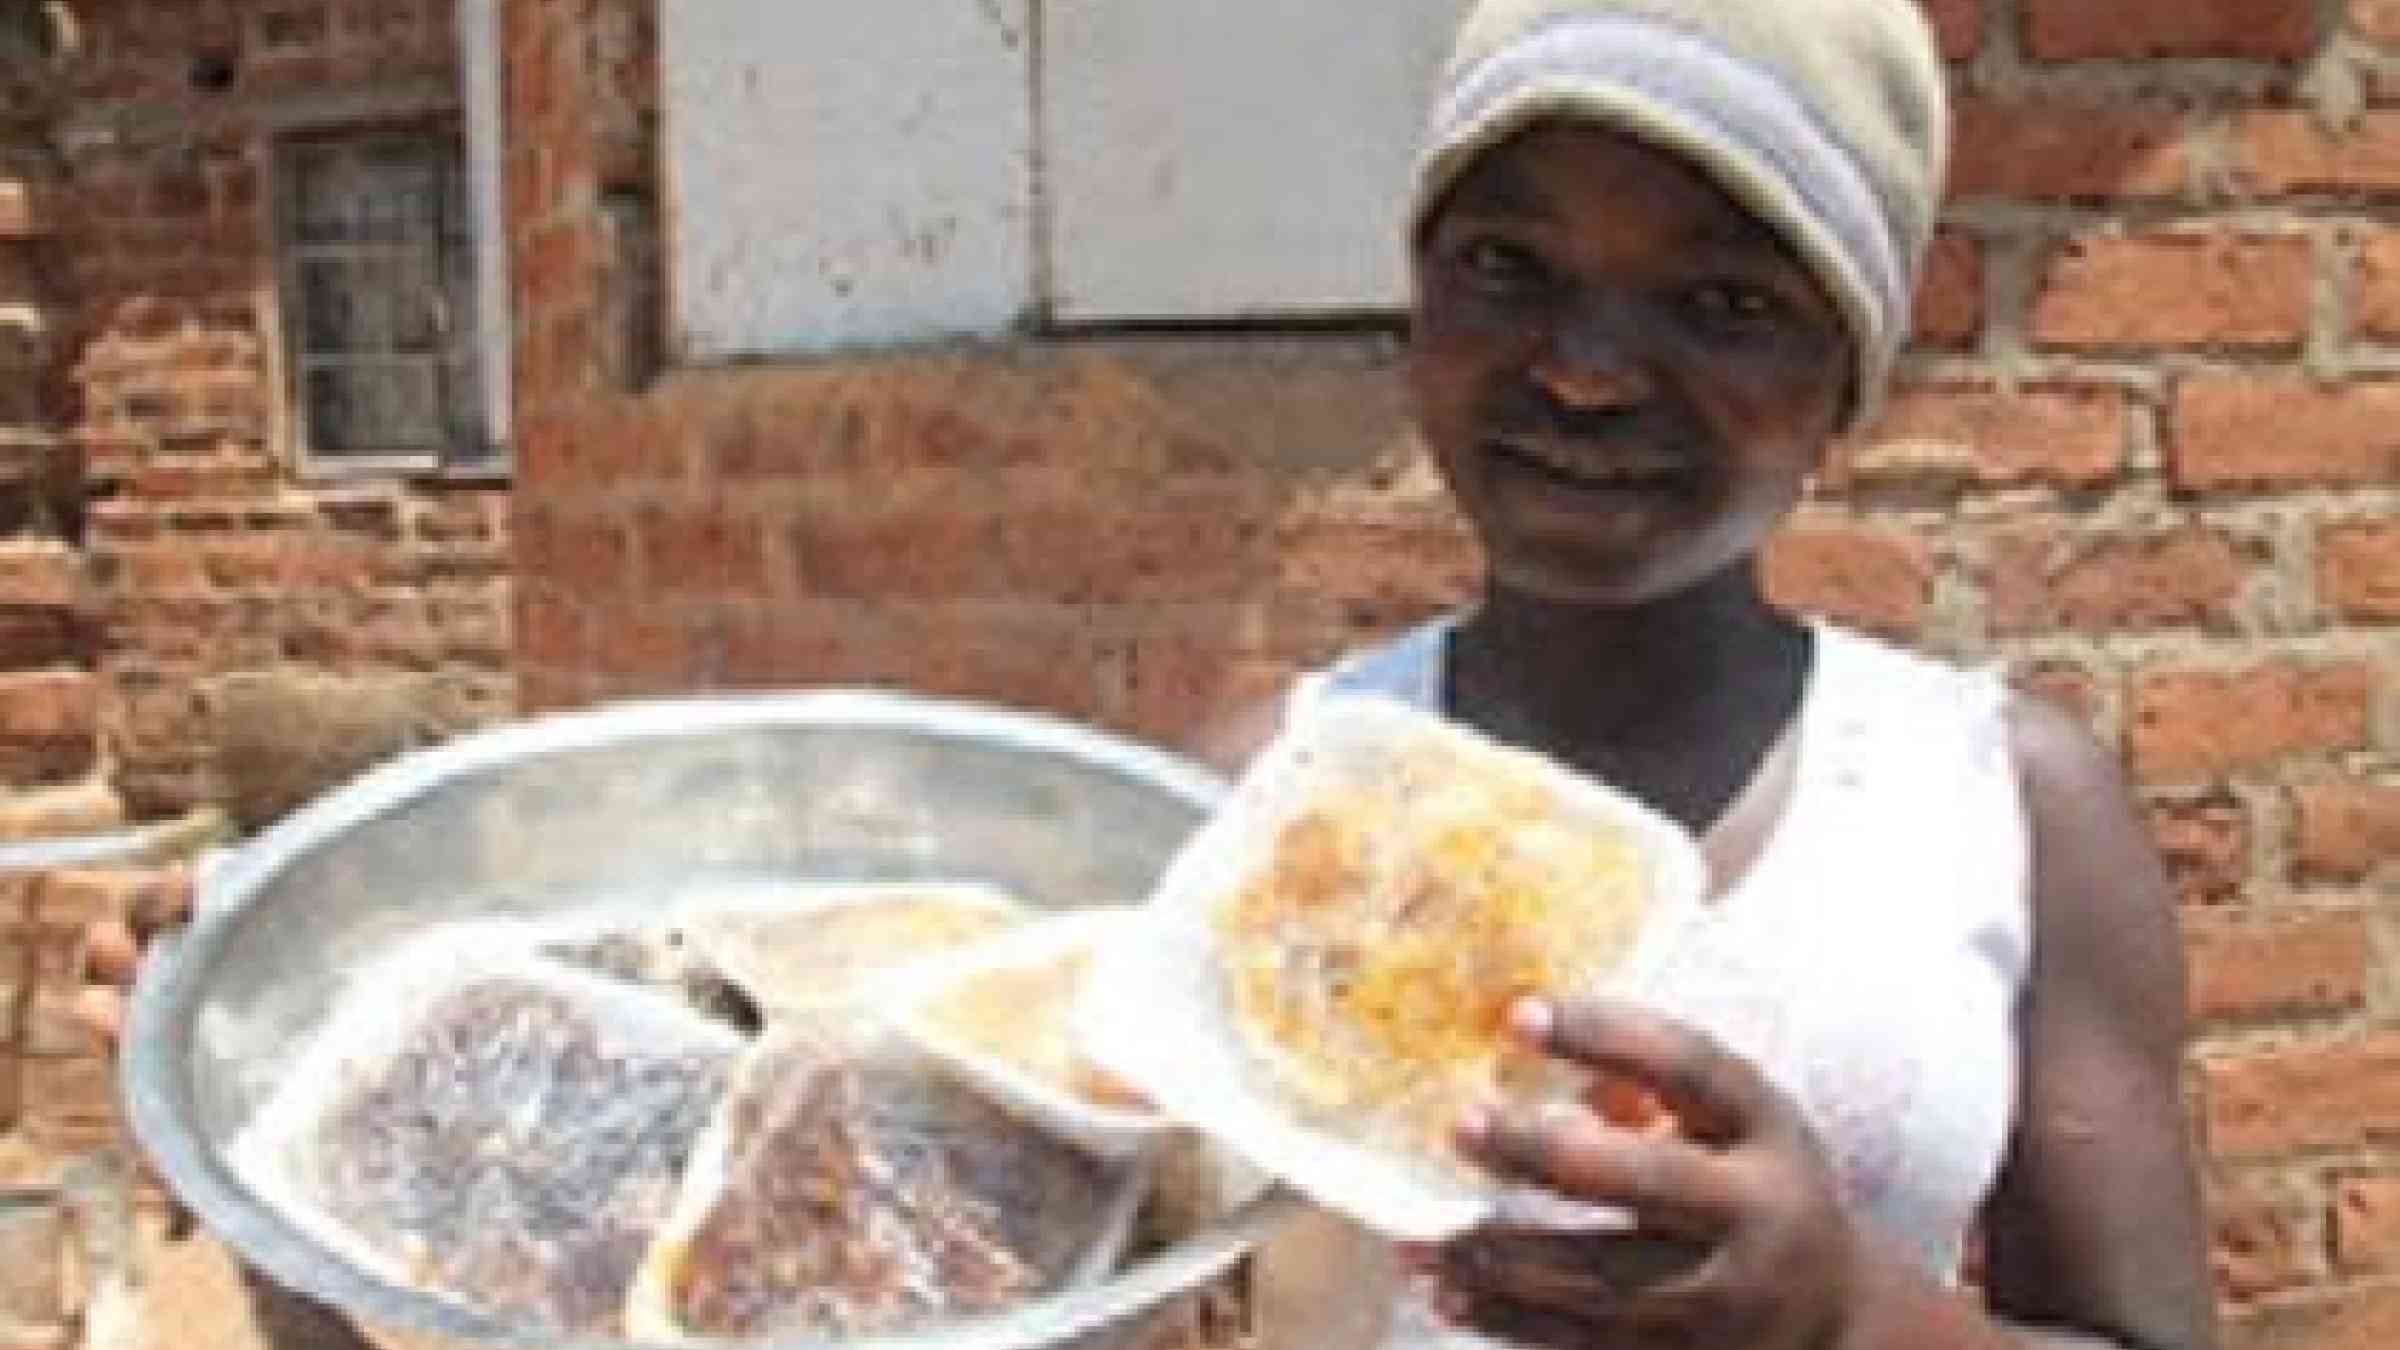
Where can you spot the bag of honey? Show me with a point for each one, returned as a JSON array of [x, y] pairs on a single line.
[[850, 1188], [1001, 1015], [1322, 979], [492, 1128]]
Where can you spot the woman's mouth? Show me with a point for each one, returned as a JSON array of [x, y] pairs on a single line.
[[1586, 470]]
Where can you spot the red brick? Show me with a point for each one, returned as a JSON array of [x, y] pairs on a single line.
[[2066, 30], [2206, 846], [51, 1027], [2070, 686], [648, 649], [1958, 25], [2072, 435], [49, 705], [69, 899], [2257, 1244], [2376, 20], [2347, 829], [718, 551], [2309, 1096], [1202, 551], [2175, 289], [35, 638], [2358, 569], [2189, 577], [2366, 1225], [1180, 684], [286, 562], [2052, 147], [473, 629], [1037, 656], [2306, 966], [2378, 310], [2282, 431], [1950, 298], [1877, 579], [70, 1090], [2281, 152], [593, 555], [552, 631], [2197, 725], [34, 1265], [40, 573], [168, 568], [2360, 1317], [558, 261], [1405, 567], [474, 517], [210, 478]]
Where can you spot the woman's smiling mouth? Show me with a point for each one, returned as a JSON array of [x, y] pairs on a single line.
[[1587, 469]]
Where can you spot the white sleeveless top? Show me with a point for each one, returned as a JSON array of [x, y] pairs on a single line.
[[1871, 959]]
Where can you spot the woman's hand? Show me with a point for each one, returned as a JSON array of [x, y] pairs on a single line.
[[1742, 1237], [113, 950]]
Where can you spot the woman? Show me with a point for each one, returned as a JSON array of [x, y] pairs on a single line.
[[1663, 254]]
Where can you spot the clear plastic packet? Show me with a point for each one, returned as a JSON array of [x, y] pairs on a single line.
[[653, 955], [849, 1187], [1001, 1014], [492, 1128], [798, 950], [1322, 977]]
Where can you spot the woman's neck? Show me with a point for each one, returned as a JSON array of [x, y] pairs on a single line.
[[1714, 659]]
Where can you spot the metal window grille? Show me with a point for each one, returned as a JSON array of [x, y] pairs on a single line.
[[377, 256]]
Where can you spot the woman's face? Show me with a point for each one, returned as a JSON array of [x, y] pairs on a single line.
[[1625, 377]]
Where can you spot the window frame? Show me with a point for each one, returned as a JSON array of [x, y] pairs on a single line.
[[455, 344], [469, 109]]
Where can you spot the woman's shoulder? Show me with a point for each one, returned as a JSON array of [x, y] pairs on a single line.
[[2053, 750]]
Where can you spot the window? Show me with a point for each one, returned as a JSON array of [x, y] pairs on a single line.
[[377, 254]]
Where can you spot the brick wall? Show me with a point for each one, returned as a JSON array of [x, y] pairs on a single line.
[[2144, 453], [210, 551], [49, 710], [156, 531]]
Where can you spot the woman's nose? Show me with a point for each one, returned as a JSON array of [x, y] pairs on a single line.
[[1590, 365]]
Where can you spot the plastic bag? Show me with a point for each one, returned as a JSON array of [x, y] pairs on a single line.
[[1321, 980], [848, 1187], [1001, 1014], [798, 950], [493, 1129], [655, 957]]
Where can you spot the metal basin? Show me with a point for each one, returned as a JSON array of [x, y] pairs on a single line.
[[616, 808]]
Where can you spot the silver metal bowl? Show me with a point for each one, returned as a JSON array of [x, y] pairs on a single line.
[[614, 808]]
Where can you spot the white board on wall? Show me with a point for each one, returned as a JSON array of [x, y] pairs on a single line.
[[1237, 158], [845, 175]]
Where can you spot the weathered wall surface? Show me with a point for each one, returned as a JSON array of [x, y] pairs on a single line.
[[2144, 452]]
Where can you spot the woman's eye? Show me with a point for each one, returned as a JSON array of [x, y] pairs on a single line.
[[1736, 304], [1499, 263]]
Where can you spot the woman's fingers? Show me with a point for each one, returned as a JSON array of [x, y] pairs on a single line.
[[1717, 1096], [1516, 1323], [162, 906], [101, 1010], [1575, 1274], [111, 954], [1670, 1184]]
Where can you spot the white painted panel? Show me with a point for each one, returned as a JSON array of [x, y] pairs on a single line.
[[845, 174], [1234, 157], [479, 61]]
